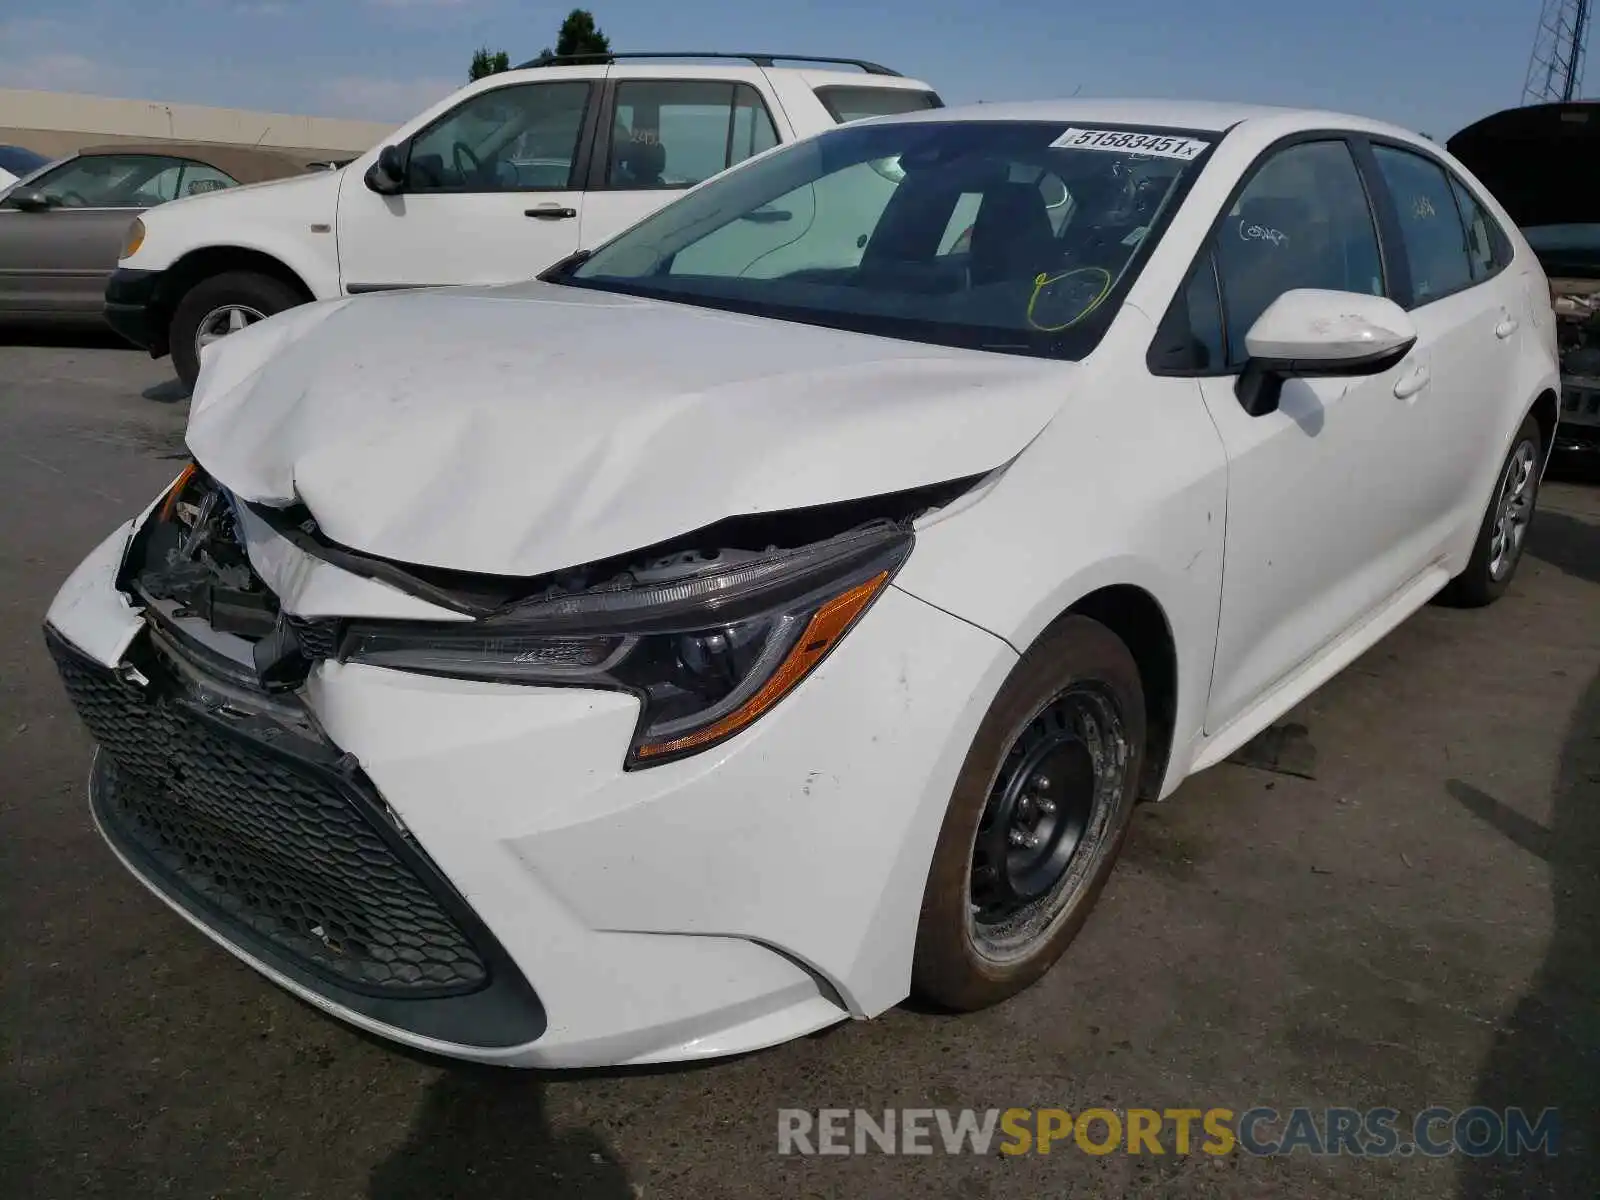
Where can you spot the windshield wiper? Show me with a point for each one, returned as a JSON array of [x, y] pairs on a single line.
[[566, 266]]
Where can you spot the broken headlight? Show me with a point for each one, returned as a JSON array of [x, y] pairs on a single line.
[[707, 651]]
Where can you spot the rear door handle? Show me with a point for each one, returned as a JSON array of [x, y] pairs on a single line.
[[1412, 383], [1506, 328], [550, 213]]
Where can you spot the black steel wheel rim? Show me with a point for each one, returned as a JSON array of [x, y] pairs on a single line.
[[1044, 822]]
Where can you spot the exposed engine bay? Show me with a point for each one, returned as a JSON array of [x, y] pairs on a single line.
[[1577, 308]]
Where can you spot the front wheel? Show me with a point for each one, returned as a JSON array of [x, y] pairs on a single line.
[[216, 307], [1037, 819], [1504, 532]]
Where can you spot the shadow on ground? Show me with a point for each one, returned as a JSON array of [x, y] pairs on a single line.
[[1566, 543], [88, 337], [1548, 1053], [168, 391], [483, 1134]]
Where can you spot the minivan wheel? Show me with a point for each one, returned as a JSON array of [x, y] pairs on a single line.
[[1504, 533], [1037, 819], [218, 306]]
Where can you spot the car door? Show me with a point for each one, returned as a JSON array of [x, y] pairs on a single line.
[[1470, 312], [492, 193], [661, 136], [1323, 521], [55, 260]]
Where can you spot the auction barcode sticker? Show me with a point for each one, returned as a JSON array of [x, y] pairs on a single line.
[[1160, 145]]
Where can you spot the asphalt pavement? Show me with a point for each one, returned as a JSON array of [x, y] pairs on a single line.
[[1416, 924]]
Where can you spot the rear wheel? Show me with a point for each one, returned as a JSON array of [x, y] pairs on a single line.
[[218, 306], [1038, 816], [1504, 532]]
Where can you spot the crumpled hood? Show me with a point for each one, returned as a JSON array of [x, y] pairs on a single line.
[[519, 430]]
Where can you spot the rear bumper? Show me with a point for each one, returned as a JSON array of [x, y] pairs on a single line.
[[130, 308]]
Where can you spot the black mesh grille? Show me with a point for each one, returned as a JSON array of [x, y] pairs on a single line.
[[263, 840], [318, 636]]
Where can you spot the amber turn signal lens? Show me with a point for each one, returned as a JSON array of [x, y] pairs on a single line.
[[133, 239], [176, 490], [827, 625]]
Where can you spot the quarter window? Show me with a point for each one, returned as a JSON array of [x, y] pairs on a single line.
[[679, 132], [1302, 221], [1430, 225], [1483, 247], [511, 139]]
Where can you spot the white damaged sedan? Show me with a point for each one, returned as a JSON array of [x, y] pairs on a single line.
[[779, 610]]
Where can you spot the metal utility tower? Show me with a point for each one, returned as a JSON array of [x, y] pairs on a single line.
[[1555, 68]]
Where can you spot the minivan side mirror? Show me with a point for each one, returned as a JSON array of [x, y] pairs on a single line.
[[1309, 332], [387, 174], [29, 200]]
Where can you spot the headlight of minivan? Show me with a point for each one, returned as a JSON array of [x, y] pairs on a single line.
[[706, 653]]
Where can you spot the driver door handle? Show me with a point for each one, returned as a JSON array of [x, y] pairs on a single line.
[[1506, 328], [1411, 384], [550, 212]]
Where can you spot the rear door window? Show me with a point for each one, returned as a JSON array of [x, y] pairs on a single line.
[[846, 104], [1430, 224]]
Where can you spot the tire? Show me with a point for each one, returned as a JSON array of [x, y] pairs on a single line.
[[257, 296], [1493, 564], [970, 953]]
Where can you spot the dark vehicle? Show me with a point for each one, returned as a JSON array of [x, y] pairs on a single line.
[[62, 229], [18, 161], [1542, 162]]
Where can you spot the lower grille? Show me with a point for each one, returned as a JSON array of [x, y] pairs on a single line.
[[1580, 400], [263, 830]]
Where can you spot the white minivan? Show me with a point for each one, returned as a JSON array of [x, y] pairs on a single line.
[[493, 184]]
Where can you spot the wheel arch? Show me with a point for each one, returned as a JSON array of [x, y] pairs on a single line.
[[209, 261], [1546, 410], [1138, 619]]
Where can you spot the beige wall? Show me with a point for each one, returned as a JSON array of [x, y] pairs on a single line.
[[60, 122]]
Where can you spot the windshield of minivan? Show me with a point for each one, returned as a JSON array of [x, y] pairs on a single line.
[[1011, 236]]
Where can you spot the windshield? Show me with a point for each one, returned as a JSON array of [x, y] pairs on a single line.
[[1008, 236]]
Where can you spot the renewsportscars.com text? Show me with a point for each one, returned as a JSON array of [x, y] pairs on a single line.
[[1262, 1132]]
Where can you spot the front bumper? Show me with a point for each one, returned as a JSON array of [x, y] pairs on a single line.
[[131, 308], [725, 902]]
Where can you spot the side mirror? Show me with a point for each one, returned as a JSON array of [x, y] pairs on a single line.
[[29, 200], [387, 175], [1310, 332]]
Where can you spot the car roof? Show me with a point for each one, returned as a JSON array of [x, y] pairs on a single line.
[[1205, 115]]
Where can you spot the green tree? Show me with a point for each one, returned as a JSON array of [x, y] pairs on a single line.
[[578, 35], [487, 62]]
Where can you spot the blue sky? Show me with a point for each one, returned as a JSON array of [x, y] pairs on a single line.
[[1433, 65]]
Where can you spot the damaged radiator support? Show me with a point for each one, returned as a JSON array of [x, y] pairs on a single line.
[[194, 557]]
